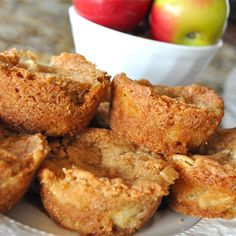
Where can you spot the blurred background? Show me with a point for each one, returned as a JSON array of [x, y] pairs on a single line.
[[43, 26]]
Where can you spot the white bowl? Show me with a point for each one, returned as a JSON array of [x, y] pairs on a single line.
[[116, 52]]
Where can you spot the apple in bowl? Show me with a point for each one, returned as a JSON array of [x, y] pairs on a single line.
[[122, 15], [188, 22], [139, 57]]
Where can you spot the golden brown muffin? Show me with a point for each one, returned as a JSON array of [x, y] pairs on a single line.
[[99, 184], [163, 119], [55, 99], [207, 183], [20, 156]]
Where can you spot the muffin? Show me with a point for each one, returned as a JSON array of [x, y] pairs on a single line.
[[162, 119], [98, 184], [20, 157], [207, 183], [56, 99]]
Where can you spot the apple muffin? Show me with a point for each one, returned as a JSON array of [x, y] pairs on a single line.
[[55, 99], [163, 119], [207, 183], [98, 184], [20, 157]]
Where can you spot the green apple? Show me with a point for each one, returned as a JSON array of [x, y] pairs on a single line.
[[188, 22]]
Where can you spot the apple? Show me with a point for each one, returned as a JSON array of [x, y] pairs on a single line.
[[188, 22], [121, 15]]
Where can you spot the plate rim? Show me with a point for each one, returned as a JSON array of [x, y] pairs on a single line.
[[14, 225]]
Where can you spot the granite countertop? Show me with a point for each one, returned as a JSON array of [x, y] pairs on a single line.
[[43, 26]]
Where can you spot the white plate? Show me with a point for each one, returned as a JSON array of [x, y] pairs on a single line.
[[27, 220]]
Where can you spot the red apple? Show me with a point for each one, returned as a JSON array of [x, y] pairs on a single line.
[[121, 15], [188, 22]]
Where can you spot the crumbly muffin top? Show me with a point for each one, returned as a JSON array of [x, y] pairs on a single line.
[[98, 158], [217, 170], [19, 153]]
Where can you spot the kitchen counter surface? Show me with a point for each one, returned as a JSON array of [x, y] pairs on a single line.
[[43, 26]]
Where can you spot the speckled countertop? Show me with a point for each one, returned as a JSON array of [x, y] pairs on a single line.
[[43, 26]]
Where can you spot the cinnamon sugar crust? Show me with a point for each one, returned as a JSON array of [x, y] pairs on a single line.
[[207, 183], [162, 119], [56, 99], [20, 157], [99, 184]]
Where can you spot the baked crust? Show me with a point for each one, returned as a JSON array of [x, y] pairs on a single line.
[[99, 184], [165, 120], [20, 157], [56, 99], [207, 183]]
